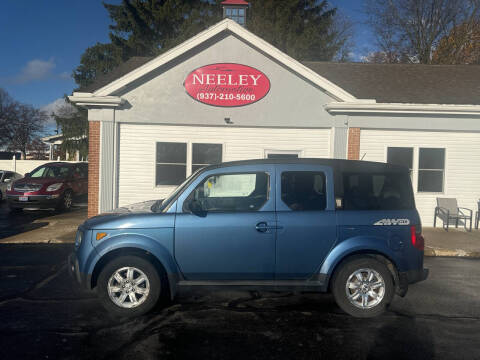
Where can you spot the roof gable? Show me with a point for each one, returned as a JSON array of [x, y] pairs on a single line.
[[112, 83]]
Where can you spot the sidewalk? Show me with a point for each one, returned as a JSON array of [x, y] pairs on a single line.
[[454, 242]]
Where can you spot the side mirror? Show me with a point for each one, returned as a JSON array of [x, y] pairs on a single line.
[[196, 208], [7, 180], [27, 174]]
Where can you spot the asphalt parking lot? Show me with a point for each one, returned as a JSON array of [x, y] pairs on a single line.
[[45, 316]]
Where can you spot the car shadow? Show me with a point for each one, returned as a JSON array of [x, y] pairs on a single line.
[[14, 223]]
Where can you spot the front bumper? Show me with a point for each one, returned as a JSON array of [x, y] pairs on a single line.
[[73, 269], [34, 201]]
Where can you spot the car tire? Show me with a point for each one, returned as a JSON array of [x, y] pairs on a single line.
[[363, 287], [115, 286], [66, 201]]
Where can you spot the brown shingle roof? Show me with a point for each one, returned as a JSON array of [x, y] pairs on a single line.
[[405, 83], [386, 83]]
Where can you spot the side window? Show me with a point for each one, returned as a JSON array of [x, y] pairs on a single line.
[[365, 191], [232, 192], [304, 190]]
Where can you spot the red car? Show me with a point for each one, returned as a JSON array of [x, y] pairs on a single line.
[[53, 185]]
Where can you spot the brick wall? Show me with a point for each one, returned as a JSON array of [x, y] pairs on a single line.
[[353, 144], [93, 166]]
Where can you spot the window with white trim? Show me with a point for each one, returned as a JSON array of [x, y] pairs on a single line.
[[400, 156], [173, 165], [431, 169], [205, 154]]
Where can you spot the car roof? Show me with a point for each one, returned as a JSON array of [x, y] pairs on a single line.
[[341, 165]]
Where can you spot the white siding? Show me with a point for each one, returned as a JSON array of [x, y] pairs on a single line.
[[137, 150], [462, 163]]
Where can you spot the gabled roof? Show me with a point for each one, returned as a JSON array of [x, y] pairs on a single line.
[[127, 73], [405, 83]]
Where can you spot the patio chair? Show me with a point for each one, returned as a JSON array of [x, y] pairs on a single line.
[[477, 215], [447, 209]]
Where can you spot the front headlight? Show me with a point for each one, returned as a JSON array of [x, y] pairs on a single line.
[[54, 187], [9, 186], [78, 238]]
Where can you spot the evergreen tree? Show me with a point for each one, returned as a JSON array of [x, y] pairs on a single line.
[[304, 29]]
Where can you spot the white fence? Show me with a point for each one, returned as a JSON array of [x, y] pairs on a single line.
[[23, 166]]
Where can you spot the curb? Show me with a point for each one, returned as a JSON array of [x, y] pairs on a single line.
[[429, 251]]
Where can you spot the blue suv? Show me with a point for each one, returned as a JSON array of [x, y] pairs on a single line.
[[316, 225]]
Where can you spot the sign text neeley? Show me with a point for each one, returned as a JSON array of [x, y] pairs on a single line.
[[227, 84]]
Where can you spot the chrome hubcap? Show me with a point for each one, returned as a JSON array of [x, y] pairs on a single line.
[[67, 200], [365, 288], [128, 287]]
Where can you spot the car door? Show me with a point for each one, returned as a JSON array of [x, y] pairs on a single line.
[[306, 220], [229, 232]]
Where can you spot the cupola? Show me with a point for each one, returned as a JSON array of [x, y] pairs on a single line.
[[235, 10]]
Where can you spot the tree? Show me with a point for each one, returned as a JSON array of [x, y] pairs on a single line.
[[37, 150], [304, 29], [409, 30], [8, 111], [73, 123], [28, 124], [462, 44]]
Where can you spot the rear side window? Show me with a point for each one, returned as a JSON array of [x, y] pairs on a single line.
[[233, 192], [385, 191], [304, 190]]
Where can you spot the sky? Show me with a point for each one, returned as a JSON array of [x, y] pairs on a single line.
[[42, 41]]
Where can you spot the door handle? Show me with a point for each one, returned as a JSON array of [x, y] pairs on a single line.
[[264, 227]]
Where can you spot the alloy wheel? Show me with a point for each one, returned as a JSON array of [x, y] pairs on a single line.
[[365, 288], [128, 287]]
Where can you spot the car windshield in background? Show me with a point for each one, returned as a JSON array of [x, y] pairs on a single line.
[[386, 191], [51, 172]]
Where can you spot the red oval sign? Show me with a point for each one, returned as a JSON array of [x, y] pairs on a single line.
[[227, 84]]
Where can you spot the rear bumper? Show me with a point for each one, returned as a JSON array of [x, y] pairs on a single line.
[[410, 277], [34, 201], [81, 278]]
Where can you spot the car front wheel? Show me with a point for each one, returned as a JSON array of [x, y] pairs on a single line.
[[363, 287], [129, 286]]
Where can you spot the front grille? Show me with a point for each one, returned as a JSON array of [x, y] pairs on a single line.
[[25, 187]]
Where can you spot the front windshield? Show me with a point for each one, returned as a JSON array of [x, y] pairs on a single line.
[[162, 205], [51, 172]]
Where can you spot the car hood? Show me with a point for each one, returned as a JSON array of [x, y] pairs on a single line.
[[136, 215], [141, 207], [42, 181]]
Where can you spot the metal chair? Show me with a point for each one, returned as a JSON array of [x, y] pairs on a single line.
[[477, 215], [447, 209]]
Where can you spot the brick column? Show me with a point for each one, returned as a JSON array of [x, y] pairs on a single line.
[[93, 166], [353, 144]]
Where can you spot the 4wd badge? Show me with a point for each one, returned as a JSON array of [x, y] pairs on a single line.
[[392, 222]]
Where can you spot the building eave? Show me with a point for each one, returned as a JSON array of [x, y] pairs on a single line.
[[398, 108], [89, 99]]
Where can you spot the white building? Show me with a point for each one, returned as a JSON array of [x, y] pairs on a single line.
[[155, 120]]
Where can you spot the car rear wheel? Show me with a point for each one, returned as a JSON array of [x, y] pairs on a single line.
[[363, 287], [129, 286]]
